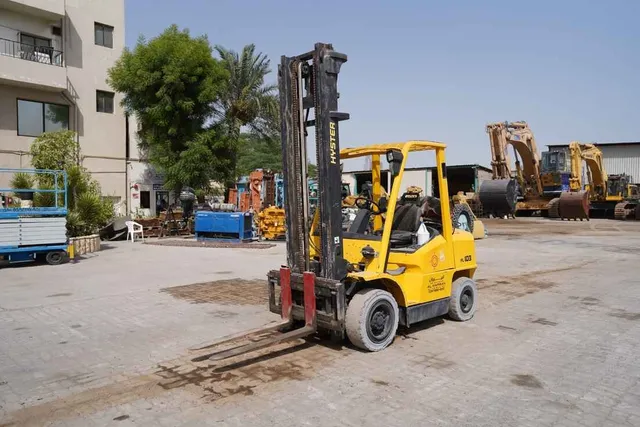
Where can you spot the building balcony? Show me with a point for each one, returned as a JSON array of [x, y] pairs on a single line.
[[50, 9], [26, 64]]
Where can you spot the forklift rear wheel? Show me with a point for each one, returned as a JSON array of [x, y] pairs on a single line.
[[55, 258], [372, 319], [464, 299]]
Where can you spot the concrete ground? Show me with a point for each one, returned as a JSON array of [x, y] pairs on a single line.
[[109, 341]]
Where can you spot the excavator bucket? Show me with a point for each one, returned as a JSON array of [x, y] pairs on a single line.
[[574, 205], [267, 336], [498, 197]]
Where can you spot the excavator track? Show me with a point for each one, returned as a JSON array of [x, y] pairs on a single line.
[[554, 208], [574, 205], [498, 197]]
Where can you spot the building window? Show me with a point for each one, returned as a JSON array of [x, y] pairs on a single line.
[[145, 200], [104, 101], [35, 118], [104, 35], [34, 41], [35, 48]]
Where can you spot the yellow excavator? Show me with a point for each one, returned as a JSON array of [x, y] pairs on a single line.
[[608, 195], [518, 191]]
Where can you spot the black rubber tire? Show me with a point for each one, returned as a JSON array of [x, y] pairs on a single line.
[[55, 257], [464, 299], [363, 306], [460, 209]]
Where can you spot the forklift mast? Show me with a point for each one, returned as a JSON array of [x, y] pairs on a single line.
[[310, 81]]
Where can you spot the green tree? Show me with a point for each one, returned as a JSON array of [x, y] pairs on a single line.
[[88, 210], [247, 100], [171, 84], [255, 152]]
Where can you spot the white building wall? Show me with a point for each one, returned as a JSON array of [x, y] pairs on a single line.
[[102, 136], [416, 178]]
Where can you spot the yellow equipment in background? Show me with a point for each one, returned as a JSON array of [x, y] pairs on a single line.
[[272, 224]]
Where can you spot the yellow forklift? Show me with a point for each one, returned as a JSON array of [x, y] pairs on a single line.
[[359, 283]]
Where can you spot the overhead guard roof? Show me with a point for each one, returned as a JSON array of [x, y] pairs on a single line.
[[368, 150]]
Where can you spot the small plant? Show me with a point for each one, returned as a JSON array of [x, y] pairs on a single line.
[[23, 181]]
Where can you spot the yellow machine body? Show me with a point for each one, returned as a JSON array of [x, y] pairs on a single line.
[[272, 224], [412, 277]]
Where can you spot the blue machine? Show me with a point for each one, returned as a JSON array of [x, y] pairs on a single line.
[[224, 226], [29, 233]]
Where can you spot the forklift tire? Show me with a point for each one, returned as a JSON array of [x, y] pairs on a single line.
[[462, 217], [55, 258], [372, 319], [464, 299]]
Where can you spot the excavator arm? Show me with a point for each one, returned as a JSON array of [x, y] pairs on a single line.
[[498, 196], [575, 203], [596, 174]]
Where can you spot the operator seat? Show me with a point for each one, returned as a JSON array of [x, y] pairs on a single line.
[[406, 223]]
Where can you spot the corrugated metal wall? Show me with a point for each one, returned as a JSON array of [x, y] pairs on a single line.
[[622, 159]]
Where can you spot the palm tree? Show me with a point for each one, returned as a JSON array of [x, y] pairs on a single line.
[[247, 100]]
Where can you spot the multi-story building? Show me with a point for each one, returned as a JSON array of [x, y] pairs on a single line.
[[54, 57]]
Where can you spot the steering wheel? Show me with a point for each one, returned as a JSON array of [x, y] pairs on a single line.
[[368, 204]]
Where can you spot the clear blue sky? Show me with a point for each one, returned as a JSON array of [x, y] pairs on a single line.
[[441, 70]]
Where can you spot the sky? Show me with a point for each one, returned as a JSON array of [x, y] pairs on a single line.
[[442, 70]]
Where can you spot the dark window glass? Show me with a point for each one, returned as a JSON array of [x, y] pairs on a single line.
[[30, 118], [104, 101], [145, 200], [103, 35], [99, 34], [34, 117], [56, 117]]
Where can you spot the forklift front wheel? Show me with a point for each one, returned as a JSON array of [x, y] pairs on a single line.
[[372, 319], [464, 299]]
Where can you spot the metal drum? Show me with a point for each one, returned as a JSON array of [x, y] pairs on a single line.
[[574, 205], [498, 197]]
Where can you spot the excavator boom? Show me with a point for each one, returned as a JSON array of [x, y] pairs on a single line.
[[499, 196]]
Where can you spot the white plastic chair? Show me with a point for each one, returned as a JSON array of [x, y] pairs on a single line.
[[133, 229]]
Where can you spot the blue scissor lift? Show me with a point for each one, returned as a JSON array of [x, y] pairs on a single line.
[[30, 233]]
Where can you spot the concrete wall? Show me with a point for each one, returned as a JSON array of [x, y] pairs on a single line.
[[41, 7], [414, 178], [102, 135], [45, 76]]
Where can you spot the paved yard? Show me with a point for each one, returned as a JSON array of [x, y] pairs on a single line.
[[108, 341]]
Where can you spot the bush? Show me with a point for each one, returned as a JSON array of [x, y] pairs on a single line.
[[88, 211], [22, 181]]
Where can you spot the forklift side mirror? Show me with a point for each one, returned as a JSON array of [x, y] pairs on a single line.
[[394, 158]]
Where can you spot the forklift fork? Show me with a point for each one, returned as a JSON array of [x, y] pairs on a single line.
[[267, 336]]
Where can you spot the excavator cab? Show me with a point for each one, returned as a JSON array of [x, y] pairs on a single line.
[[555, 172], [391, 267]]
